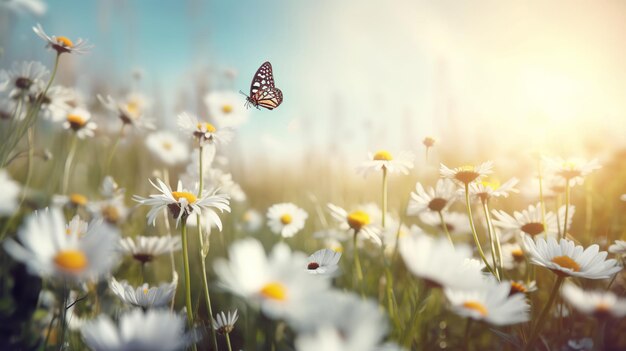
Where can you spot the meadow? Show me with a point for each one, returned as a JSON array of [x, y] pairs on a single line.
[[120, 232]]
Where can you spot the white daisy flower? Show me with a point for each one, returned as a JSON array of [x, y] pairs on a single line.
[[181, 203], [485, 190], [521, 287], [112, 210], [435, 199], [48, 250], [567, 259], [286, 219], [225, 109], [619, 248], [529, 221], [457, 223], [23, 78], [490, 303], [76, 227], [158, 329], [166, 147], [623, 197], [78, 120], [73, 200], [147, 248], [324, 262], [384, 159], [145, 296], [573, 170], [109, 188], [130, 110], [467, 174], [62, 44], [342, 322], [277, 283], [9, 196], [439, 263], [358, 221], [225, 323], [205, 132], [595, 303], [251, 220], [58, 102]]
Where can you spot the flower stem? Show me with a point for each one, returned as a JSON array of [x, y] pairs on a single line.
[[567, 195], [68, 163], [384, 196], [227, 342], [200, 175], [474, 233], [445, 227], [495, 256], [544, 313], [204, 251], [113, 149], [183, 230], [357, 263], [63, 321]]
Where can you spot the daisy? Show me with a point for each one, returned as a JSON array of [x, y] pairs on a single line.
[[276, 282], [226, 109], [467, 174], [573, 170], [529, 221], [251, 220], [58, 102], [130, 110], [358, 221], [567, 259], [109, 188], [205, 132], [166, 147], [48, 250], [485, 190], [145, 296], [324, 262], [435, 199], [490, 303], [619, 248], [76, 227], [181, 203], [286, 219], [439, 263], [456, 223], [383, 159], [62, 44], [596, 303], [429, 142], [78, 121], [521, 287], [225, 323], [112, 210], [23, 78], [73, 200], [147, 248], [9, 196], [151, 330]]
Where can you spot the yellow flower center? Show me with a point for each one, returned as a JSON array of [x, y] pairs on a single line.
[[132, 107], [383, 155], [65, 41], [145, 290], [566, 262], [493, 184], [602, 308], [517, 288], [274, 291], [286, 219], [428, 142], [227, 109], [533, 228], [476, 306], [191, 198], [111, 214], [78, 199], [517, 254], [358, 220], [167, 145], [71, 260], [466, 174], [207, 126], [337, 248], [76, 120]]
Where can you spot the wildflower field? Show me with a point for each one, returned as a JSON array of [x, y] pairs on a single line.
[[138, 217]]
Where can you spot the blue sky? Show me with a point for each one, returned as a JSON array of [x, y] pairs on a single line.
[[366, 75]]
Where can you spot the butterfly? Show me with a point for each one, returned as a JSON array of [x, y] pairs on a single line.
[[262, 90]]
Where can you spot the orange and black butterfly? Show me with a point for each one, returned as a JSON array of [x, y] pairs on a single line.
[[262, 90]]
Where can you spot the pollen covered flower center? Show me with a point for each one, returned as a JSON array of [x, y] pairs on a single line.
[[71, 260], [517, 288], [383, 155], [178, 195], [167, 145], [358, 220], [76, 121], [207, 126], [286, 219], [437, 204], [566, 262], [78, 199], [313, 266], [64, 41], [466, 174], [227, 109], [476, 306], [274, 291], [532, 228]]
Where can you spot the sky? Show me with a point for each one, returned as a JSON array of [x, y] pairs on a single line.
[[362, 75]]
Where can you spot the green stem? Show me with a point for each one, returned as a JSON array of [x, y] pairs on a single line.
[[200, 175], [227, 342], [68, 164], [384, 196], [474, 233], [445, 227], [567, 195], [204, 251], [183, 230], [495, 257], [357, 263], [63, 321], [113, 149], [544, 314]]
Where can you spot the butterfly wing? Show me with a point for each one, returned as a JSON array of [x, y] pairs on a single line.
[[263, 79], [270, 98]]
